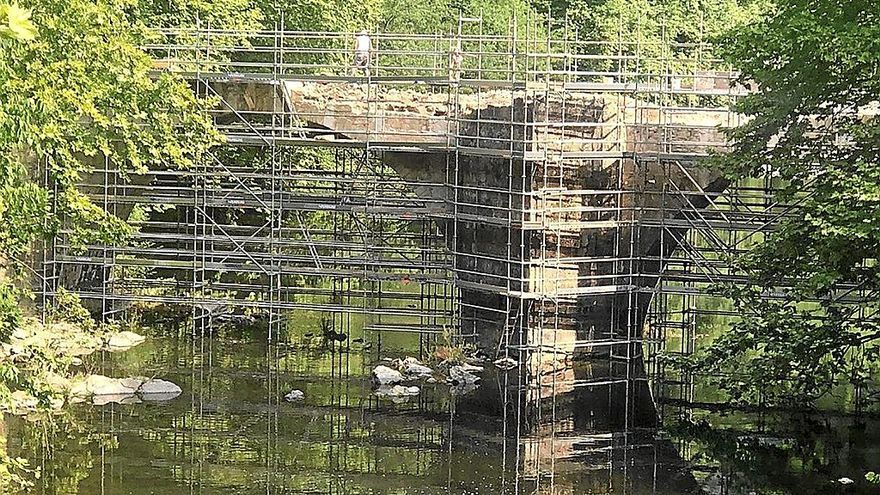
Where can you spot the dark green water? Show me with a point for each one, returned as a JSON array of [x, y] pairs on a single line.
[[231, 433]]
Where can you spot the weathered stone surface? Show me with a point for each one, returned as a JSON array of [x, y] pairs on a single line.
[[295, 395], [158, 390], [471, 368], [104, 385], [60, 339], [383, 375], [623, 148], [79, 389], [416, 370], [413, 369], [22, 402], [397, 391], [56, 382], [460, 375], [105, 390], [124, 340]]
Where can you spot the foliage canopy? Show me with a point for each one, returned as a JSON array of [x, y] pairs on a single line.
[[813, 124]]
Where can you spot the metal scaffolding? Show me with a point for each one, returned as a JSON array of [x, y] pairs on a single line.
[[537, 193]]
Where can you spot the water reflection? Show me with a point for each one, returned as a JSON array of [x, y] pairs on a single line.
[[231, 432]]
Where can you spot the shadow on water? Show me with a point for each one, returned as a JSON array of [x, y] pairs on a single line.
[[231, 432]]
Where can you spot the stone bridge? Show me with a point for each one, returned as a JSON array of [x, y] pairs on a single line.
[[595, 175], [564, 203]]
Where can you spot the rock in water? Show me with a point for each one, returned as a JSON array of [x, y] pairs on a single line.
[[104, 389], [412, 368], [397, 391], [383, 375], [470, 368], [79, 389], [158, 390], [21, 402], [104, 385], [460, 376], [295, 396], [121, 341], [462, 380], [506, 363]]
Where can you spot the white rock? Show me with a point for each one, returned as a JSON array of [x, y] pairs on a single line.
[[103, 385], [79, 351], [121, 341], [412, 368], [506, 363], [294, 396], [459, 375], [22, 402], [123, 390], [79, 389], [158, 390], [845, 481], [469, 368], [70, 340], [383, 375], [397, 391], [56, 403], [105, 390], [135, 382]]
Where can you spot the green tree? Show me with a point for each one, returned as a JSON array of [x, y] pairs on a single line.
[[813, 123], [682, 21], [78, 94], [237, 15], [15, 23], [661, 32]]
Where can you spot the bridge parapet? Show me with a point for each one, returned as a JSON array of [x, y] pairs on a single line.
[[549, 124]]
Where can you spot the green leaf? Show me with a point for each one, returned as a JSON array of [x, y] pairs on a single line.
[[17, 23]]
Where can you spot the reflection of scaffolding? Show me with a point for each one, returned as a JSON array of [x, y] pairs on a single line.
[[231, 431], [535, 199]]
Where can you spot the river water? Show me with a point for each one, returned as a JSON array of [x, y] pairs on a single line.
[[231, 432]]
